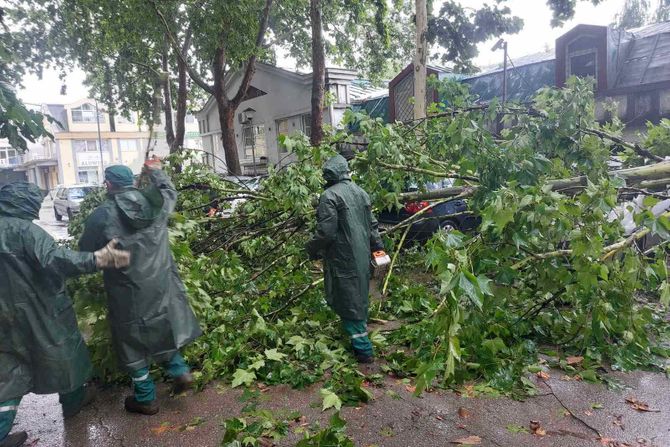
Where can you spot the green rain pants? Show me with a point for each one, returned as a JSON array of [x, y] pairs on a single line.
[[69, 401], [358, 334], [143, 384]]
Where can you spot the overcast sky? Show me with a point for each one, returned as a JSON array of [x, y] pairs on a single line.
[[536, 36]]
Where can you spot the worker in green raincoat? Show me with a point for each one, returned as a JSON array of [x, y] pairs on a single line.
[[149, 313], [41, 348], [346, 235]]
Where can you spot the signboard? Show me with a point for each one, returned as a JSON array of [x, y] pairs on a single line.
[[91, 159]]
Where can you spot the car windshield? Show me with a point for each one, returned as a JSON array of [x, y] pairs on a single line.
[[79, 193]]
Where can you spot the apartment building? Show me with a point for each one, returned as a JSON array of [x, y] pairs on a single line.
[[87, 141]]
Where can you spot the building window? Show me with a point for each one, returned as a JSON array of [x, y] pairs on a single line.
[[307, 124], [8, 156], [88, 176], [582, 64], [342, 97], [89, 145], [282, 129], [254, 141], [128, 145], [88, 155], [85, 113]]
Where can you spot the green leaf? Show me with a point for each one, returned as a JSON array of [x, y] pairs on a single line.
[[330, 400], [665, 294], [513, 428], [502, 217], [243, 377], [273, 354], [484, 285], [467, 282]]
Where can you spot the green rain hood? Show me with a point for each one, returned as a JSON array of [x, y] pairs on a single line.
[[41, 348], [149, 313], [346, 233]]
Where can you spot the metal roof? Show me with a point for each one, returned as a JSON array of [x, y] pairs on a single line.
[[644, 55], [518, 62], [363, 90]]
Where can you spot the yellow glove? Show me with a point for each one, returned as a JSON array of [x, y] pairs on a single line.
[[109, 257]]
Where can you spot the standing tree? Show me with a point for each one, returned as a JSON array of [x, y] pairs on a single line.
[[457, 30], [225, 37], [662, 13], [121, 46], [354, 33], [318, 72], [634, 13]]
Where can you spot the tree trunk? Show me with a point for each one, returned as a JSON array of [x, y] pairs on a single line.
[[420, 60], [318, 73], [226, 110], [227, 121], [182, 92], [167, 99], [649, 175]]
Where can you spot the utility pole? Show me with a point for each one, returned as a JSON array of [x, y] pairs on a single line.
[[101, 175], [420, 60], [504, 86], [502, 43]]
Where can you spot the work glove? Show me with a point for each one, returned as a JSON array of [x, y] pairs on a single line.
[[109, 257]]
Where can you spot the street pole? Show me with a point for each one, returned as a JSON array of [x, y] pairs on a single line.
[[504, 83], [102, 160]]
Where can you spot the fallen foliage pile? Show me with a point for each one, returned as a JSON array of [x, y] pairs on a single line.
[[546, 271]]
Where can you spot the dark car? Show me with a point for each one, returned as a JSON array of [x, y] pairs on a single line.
[[450, 215]]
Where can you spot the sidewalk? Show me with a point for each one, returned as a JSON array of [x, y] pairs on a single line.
[[393, 418]]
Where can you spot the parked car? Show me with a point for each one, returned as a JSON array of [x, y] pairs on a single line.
[[450, 215], [241, 182], [68, 198], [625, 213]]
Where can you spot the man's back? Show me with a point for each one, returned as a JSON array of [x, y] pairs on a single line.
[[147, 303]]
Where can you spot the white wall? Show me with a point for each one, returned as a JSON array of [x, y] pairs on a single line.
[[287, 96]]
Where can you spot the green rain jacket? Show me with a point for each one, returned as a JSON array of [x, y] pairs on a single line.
[[41, 348], [346, 233], [149, 313]]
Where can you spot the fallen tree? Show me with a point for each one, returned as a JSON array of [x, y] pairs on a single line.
[[546, 270]]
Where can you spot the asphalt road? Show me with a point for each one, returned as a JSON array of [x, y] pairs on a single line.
[[48, 221]]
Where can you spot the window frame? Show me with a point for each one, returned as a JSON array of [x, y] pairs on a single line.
[[248, 150], [580, 53], [84, 110]]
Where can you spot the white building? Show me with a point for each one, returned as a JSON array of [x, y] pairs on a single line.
[[82, 143], [280, 101]]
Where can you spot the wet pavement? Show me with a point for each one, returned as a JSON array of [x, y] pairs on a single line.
[[568, 413], [48, 221]]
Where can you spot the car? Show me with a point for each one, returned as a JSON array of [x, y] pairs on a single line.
[[66, 199], [449, 215], [625, 213], [240, 182]]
